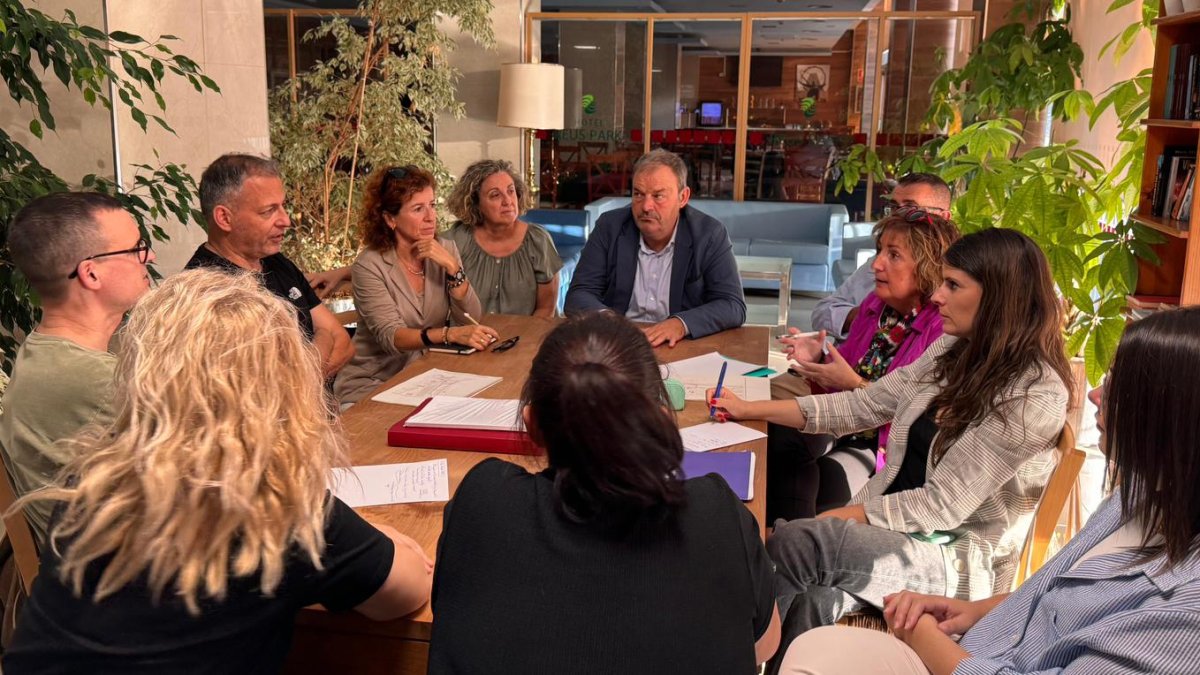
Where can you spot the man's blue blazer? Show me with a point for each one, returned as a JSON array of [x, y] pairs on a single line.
[[706, 291]]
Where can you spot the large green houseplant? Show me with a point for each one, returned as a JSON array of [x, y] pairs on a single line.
[[1064, 198], [99, 66], [374, 103]]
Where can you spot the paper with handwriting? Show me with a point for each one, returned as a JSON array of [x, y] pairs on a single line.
[[392, 483], [713, 435], [435, 382]]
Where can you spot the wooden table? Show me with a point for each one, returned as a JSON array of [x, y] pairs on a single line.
[[348, 642]]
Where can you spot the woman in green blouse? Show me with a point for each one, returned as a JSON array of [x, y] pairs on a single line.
[[513, 264]]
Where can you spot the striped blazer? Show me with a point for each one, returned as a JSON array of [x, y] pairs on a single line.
[[1112, 614], [986, 486]]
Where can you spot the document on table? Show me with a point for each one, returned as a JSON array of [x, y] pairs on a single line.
[[713, 435], [706, 367], [745, 388], [392, 483], [456, 412], [435, 382]]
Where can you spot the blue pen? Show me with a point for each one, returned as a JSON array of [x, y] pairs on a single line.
[[712, 409]]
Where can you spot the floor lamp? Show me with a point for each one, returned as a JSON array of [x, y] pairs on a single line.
[[531, 98]]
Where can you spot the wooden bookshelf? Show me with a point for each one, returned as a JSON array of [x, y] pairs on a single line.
[[1178, 272]]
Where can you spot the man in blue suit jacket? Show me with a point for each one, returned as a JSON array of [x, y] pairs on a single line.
[[660, 261]]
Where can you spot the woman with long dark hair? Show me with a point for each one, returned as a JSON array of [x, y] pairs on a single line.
[[607, 561], [1123, 596], [974, 424]]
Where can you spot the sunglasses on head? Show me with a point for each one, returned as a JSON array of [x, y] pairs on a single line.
[[394, 173], [912, 214]]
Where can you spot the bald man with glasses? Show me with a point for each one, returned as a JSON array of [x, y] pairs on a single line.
[[85, 257]]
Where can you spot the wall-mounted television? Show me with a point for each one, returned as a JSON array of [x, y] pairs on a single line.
[[710, 114]]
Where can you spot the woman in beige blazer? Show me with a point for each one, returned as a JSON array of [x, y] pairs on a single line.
[[409, 285], [974, 425]]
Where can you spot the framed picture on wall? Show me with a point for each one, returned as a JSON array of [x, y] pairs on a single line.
[[811, 81]]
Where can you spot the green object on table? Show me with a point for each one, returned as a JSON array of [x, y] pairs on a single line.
[[936, 537], [761, 372], [675, 393]]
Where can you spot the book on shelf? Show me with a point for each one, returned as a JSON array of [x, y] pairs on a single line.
[[1182, 99], [1140, 306], [1171, 172]]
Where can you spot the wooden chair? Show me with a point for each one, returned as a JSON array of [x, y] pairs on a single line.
[[20, 535], [1062, 486], [609, 174]]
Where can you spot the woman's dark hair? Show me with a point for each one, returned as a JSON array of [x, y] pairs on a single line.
[[1018, 326], [597, 404], [387, 191], [1152, 431]]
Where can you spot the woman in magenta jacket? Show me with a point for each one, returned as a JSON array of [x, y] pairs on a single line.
[[892, 328]]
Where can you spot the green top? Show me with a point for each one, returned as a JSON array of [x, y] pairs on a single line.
[[57, 388], [508, 285]]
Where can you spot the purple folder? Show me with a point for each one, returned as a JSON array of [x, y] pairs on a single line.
[[737, 468]]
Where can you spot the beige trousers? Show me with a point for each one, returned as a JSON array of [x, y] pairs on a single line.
[[841, 650]]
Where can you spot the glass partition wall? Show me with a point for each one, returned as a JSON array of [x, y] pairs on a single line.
[[760, 106]]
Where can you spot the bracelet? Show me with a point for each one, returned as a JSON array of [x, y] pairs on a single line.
[[457, 279], [446, 336], [863, 383], [425, 338]]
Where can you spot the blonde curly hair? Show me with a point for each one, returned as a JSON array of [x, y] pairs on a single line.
[[217, 459]]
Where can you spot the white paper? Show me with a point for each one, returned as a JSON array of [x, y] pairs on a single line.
[[713, 435], [745, 388], [392, 483], [435, 382], [705, 367], [454, 412]]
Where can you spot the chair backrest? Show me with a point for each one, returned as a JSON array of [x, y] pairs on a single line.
[[20, 535], [1061, 488]]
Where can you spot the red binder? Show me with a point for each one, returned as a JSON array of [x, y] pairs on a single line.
[[474, 440]]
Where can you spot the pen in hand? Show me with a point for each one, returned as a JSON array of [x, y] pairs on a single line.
[[470, 318], [712, 409]]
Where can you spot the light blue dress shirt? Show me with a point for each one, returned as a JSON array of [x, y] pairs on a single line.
[[1112, 614], [651, 300]]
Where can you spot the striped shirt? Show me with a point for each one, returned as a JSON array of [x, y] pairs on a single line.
[[1111, 614], [986, 486]]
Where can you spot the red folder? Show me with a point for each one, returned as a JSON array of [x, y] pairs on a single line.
[[474, 440]]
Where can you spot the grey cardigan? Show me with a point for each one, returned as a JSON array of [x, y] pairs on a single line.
[[986, 486], [385, 303]]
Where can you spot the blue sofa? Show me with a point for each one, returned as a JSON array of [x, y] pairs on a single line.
[[809, 234], [569, 229]]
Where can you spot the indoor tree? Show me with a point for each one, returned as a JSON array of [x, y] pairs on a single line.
[[1064, 198], [97, 65], [374, 103]]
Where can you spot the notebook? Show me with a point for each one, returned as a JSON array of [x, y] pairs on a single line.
[[737, 468]]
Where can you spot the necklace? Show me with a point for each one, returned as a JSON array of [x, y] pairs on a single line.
[[420, 271]]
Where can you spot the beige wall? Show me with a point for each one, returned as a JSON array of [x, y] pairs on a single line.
[[226, 38], [1092, 28], [476, 136]]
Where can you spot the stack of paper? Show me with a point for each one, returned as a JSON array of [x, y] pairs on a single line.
[[706, 367], [435, 382], [455, 412], [713, 435], [392, 483]]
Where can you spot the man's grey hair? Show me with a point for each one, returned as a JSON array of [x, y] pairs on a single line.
[[660, 157], [222, 180]]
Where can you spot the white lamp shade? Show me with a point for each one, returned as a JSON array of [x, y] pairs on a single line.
[[573, 95], [531, 96]]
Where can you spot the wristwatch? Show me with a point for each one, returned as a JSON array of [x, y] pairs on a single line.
[[425, 338], [457, 279]]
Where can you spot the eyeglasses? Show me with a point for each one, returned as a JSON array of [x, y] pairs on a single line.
[[507, 344], [142, 250]]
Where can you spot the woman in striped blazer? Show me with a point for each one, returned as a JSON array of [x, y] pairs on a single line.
[[974, 423], [1123, 596]]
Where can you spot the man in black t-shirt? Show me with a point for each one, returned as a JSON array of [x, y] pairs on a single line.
[[242, 198]]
